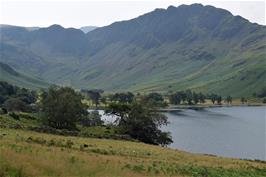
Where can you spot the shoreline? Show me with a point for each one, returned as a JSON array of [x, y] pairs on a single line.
[[201, 107]]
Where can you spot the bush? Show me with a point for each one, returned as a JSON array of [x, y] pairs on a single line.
[[69, 143], [27, 116], [14, 115], [3, 111], [15, 104], [92, 119]]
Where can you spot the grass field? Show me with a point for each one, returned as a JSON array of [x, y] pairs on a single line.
[[27, 153]]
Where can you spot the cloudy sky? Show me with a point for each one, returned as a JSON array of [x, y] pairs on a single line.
[[77, 13]]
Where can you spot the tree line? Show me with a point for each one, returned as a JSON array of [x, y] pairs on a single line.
[[13, 98], [64, 108], [138, 115], [157, 99]]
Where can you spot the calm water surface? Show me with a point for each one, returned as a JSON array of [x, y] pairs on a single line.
[[226, 131]]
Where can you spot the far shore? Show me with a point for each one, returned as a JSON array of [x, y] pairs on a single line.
[[203, 106]]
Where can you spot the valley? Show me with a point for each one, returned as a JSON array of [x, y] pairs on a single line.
[[222, 53]]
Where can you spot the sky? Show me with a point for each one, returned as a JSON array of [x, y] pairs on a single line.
[[78, 13]]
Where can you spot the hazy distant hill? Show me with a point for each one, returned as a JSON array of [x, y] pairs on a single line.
[[190, 46], [87, 29], [10, 75]]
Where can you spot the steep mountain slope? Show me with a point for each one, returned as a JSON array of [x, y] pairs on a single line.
[[195, 46], [8, 74], [190, 46], [51, 53]]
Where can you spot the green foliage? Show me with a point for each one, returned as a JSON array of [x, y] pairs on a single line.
[[202, 97], [175, 98], [218, 99], [188, 97], [94, 96], [141, 122], [15, 104], [228, 99], [91, 119], [14, 115], [3, 111], [123, 97], [17, 120], [6, 170], [14, 98], [62, 107], [155, 99]]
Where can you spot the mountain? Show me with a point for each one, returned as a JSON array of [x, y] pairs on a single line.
[[8, 74], [197, 47], [51, 53], [191, 46], [87, 29]]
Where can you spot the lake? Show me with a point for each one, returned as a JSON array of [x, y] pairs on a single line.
[[225, 131], [237, 131]]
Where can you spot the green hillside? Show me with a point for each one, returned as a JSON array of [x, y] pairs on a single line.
[[191, 46], [8, 74]]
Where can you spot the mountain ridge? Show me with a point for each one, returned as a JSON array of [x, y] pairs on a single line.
[[189, 46]]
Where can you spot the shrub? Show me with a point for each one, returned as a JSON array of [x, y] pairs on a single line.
[[40, 140], [92, 119], [69, 143], [3, 111], [51, 142], [15, 104], [27, 116], [14, 115]]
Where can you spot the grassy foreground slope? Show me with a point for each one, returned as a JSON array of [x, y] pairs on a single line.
[[26, 153]]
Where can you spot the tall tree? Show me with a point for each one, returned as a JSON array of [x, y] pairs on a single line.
[[195, 97], [175, 98], [219, 99], [228, 99], [62, 107], [201, 98], [142, 122], [189, 96], [243, 100], [103, 100], [95, 97], [213, 98], [123, 97], [153, 98]]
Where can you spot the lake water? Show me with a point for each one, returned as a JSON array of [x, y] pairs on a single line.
[[238, 132], [225, 131]]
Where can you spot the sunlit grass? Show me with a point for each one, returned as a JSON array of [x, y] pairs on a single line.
[[27, 153]]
